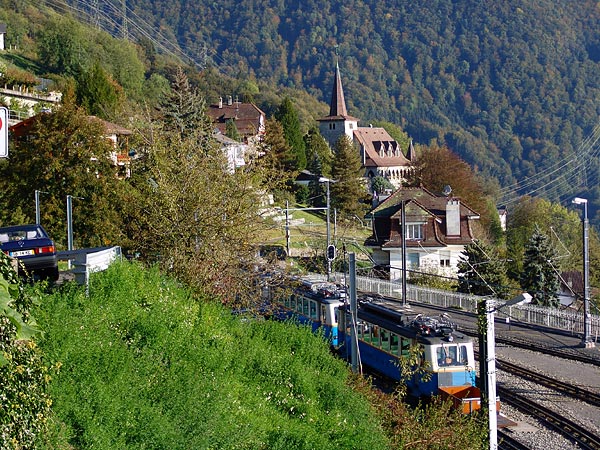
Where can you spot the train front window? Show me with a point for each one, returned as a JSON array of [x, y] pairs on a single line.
[[452, 355]]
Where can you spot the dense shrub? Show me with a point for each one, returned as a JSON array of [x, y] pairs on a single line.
[[144, 365], [24, 402]]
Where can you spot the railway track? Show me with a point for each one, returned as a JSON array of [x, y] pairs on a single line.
[[564, 388], [507, 442], [553, 420]]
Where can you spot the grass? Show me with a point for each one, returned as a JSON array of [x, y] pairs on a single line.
[[144, 365]]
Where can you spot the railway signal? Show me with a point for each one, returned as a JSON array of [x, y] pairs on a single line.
[[331, 252]]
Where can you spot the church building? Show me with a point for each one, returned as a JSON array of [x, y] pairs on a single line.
[[380, 154]]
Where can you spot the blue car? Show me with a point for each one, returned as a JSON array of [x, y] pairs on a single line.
[[32, 246]]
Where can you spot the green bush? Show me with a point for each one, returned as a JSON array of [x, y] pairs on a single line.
[[24, 402], [145, 365]]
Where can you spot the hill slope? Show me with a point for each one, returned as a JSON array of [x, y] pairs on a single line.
[[512, 86]]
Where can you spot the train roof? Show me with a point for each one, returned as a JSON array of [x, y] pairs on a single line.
[[407, 322], [322, 290]]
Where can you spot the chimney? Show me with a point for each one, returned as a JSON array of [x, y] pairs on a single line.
[[453, 217], [220, 102]]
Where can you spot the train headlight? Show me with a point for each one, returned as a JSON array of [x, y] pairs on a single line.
[[450, 338]]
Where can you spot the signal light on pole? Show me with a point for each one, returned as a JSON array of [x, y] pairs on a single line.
[[331, 252]]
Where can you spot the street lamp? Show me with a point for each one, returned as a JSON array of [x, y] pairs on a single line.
[[487, 362], [587, 340]]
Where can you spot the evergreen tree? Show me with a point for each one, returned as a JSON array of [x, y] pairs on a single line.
[[481, 272], [539, 276], [98, 93], [348, 191], [278, 156], [231, 131], [288, 117], [184, 110], [317, 148]]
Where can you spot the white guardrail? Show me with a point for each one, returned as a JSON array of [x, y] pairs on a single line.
[[88, 260], [570, 321]]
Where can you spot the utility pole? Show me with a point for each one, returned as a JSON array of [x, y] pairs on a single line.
[[353, 313], [403, 218], [38, 216], [328, 235], [587, 341]]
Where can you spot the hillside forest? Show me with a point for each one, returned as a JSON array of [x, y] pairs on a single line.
[[510, 86]]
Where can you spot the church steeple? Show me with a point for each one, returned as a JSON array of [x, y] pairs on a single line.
[[337, 107], [338, 122]]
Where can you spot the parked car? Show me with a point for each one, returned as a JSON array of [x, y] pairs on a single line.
[[32, 246]]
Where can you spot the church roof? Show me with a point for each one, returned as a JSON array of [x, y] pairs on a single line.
[[380, 149], [337, 106]]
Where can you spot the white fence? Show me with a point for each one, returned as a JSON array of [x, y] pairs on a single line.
[[89, 260], [570, 321]]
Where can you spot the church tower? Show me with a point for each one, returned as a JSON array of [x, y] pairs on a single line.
[[338, 122]]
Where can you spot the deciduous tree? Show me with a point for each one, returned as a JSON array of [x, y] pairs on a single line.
[[198, 218], [66, 153]]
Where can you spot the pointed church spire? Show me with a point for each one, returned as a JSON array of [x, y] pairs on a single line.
[[337, 107]]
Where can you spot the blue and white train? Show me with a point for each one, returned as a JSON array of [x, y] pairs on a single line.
[[314, 302], [385, 331]]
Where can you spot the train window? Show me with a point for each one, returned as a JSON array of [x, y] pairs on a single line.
[[394, 344], [293, 302], [405, 347], [313, 310], [463, 357], [323, 316], [335, 315], [385, 340], [449, 355], [375, 334], [305, 307]]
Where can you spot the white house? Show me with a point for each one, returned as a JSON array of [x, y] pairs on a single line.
[[437, 230]]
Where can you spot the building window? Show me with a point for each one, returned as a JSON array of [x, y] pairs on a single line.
[[444, 259], [350, 125], [414, 231], [332, 126], [413, 260]]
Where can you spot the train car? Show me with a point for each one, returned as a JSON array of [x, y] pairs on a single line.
[[386, 332], [313, 302]]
